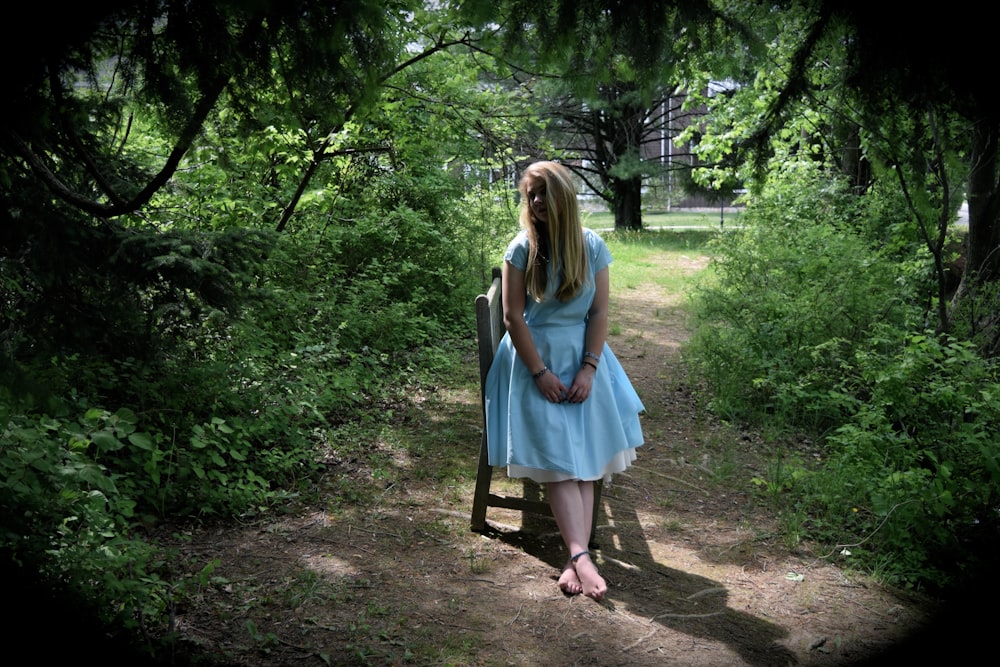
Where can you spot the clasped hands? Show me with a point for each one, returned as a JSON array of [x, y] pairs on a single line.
[[555, 391]]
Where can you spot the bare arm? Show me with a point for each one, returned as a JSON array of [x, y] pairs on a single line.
[[597, 333], [597, 319], [513, 295]]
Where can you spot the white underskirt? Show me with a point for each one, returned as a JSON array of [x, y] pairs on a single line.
[[617, 464]]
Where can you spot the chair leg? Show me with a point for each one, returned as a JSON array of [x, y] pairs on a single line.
[[483, 478]]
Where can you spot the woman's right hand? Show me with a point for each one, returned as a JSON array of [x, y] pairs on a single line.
[[551, 387]]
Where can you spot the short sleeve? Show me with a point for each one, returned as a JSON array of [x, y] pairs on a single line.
[[600, 256], [517, 251]]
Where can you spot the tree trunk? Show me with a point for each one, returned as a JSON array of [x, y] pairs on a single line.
[[984, 231], [982, 264], [852, 158], [627, 203]]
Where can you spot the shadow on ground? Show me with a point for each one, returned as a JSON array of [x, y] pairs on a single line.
[[678, 600]]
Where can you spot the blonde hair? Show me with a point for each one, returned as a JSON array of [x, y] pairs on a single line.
[[565, 233]]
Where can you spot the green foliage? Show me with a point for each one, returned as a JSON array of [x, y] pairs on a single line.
[[54, 486], [487, 224], [645, 35], [918, 464], [237, 350], [792, 292], [270, 216], [974, 316], [810, 323]]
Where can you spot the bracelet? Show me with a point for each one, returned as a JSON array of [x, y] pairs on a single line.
[[589, 363], [545, 369], [592, 356]]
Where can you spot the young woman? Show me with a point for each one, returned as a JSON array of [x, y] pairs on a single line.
[[559, 407]]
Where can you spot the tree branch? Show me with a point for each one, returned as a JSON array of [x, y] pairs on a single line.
[[118, 207]]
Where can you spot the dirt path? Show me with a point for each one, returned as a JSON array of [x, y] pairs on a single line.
[[697, 569]]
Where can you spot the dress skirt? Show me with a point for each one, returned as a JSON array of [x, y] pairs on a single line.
[[550, 442]]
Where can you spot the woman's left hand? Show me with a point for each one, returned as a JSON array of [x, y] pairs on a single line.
[[582, 384]]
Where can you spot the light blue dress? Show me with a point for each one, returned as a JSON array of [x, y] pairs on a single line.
[[550, 442]]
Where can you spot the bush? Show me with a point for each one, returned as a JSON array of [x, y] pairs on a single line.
[[235, 353], [919, 460], [791, 295], [806, 325], [65, 518]]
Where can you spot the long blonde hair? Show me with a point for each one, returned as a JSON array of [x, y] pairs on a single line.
[[564, 240]]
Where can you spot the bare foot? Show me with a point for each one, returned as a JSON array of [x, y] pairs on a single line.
[[593, 584], [569, 583]]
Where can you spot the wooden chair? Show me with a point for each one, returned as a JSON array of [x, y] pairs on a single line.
[[490, 330]]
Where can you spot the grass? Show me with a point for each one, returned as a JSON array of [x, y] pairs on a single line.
[[639, 256], [602, 221]]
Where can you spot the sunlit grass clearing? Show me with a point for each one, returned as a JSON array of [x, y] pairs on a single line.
[[640, 257]]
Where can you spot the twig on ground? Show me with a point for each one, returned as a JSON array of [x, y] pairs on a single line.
[[451, 625], [672, 478], [351, 527], [516, 616], [707, 591], [892, 509], [684, 616], [346, 546], [458, 515], [638, 641], [620, 563]]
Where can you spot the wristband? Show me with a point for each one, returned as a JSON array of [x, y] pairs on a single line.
[[593, 356], [589, 363], [545, 369]]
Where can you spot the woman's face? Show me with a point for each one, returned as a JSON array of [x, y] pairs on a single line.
[[535, 191]]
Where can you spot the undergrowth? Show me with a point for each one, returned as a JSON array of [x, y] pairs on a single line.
[[808, 324]]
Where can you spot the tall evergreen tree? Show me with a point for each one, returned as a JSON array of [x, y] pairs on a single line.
[[606, 95]]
